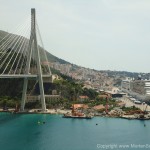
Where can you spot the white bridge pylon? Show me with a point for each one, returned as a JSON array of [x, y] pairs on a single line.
[[25, 60]]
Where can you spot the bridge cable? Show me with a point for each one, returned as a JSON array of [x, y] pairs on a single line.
[[13, 41], [18, 40], [19, 51], [40, 38]]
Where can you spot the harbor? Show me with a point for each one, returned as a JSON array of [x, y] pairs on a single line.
[[82, 111]]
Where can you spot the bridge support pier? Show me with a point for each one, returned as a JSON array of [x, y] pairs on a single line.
[[33, 44], [23, 100]]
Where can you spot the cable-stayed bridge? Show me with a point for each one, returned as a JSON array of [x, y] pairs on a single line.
[[21, 56]]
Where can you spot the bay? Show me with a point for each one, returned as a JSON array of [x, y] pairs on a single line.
[[24, 132]]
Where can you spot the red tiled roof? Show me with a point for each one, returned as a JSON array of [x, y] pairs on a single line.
[[80, 106], [98, 107]]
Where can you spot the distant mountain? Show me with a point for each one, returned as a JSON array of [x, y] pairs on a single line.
[[135, 75], [53, 58]]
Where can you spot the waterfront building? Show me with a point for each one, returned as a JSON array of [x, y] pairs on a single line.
[[48, 98], [139, 89], [138, 86], [141, 86]]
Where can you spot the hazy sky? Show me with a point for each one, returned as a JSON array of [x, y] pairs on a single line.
[[99, 34]]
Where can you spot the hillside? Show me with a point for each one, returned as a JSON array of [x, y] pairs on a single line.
[[95, 79], [54, 59], [50, 57]]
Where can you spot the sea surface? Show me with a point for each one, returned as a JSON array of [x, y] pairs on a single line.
[[23, 132]]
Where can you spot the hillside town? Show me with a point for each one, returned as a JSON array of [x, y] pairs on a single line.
[[92, 79]]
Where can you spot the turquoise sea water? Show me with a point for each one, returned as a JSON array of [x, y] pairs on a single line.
[[22, 132]]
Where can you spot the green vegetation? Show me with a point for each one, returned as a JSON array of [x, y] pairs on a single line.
[[9, 102], [128, 109], [11, 87], [103, 102], [11, 92], [71, 90]]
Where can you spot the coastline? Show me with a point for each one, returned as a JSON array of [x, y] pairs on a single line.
[[38, 111], [62, 112]]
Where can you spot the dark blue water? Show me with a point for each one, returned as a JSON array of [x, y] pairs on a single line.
[[22, 132]]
